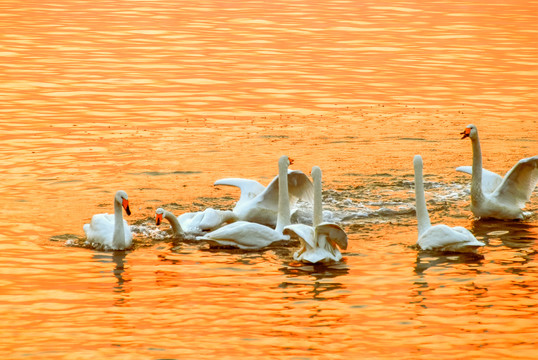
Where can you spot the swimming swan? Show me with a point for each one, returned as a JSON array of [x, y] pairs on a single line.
[[110, 232], [259, 204], [493, 196], [318, 242], [438, 237], [250, 235]]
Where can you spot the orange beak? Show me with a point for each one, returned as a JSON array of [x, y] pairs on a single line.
[[291, 160], [466, 133], [125, 204], [158, 219]]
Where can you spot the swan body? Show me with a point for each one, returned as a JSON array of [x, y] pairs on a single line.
[[493, 196], [318, 242], [244, 235], [110, 231], [200, 222], [438, 237], [251, 235], [259, 204], [160, 213]]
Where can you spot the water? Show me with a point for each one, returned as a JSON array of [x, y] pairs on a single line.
[[161, 99]]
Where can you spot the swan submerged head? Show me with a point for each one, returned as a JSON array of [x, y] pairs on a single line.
[[470, 132], [123, 199]]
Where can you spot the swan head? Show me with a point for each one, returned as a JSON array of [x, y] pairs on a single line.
[[470, 132], [159, 213], [123, 199], [285, 161], [417, 161]]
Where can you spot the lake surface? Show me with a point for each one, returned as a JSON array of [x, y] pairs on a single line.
[[162, 98]]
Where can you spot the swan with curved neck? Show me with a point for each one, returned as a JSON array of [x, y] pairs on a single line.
[[493, 196], [438, 237], [250, 235], [260, 204], [111, 232], [160, 213], [318, 242]]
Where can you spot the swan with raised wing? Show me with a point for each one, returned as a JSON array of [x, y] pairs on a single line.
[[251, 235], [319, 242], [110, 231], [260, 204], [438, 237], [493, 196]]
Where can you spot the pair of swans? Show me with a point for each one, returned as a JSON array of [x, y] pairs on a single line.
[[318, 242], [251, 235], [493, 196], [111, 231]]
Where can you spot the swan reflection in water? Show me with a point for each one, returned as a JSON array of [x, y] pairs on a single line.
[[306, 288], [119, 259]]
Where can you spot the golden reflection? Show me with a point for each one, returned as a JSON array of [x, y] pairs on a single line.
[[162, 99]]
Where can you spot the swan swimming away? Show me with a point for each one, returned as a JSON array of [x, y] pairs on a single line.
[[259, 204], [493, 196], [438, 237], [318, 242], [160, 213], [110, 232], [251, 235]]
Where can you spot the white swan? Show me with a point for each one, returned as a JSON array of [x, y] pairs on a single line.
[[493, 196], [438, 237], [200, 222], [259, 204], [110, 232], [160, 213], [250, 235], [318, 242]]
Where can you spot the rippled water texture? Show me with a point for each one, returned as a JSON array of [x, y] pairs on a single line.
[[162, 98]]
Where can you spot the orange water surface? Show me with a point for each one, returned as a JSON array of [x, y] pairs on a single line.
[[161, 98]]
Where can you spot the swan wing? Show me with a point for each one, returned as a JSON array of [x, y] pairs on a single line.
[[305, 234], [249, 188], [100, 229], [519, 183], [244, 235], [211, 219], [335, 235], [445, 238], [490, 180], [299, 188]]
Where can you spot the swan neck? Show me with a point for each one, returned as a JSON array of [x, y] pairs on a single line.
[[423, 218], [476, 182], [118, 241], [283, 216], [318, 201], [176, 227]]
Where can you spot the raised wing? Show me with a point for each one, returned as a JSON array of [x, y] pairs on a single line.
[[519, 183], [305, 232], [249, 188], [300, 187], [335, 234], [490, 180]]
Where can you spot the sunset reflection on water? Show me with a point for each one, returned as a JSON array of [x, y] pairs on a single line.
[[161, 99]]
